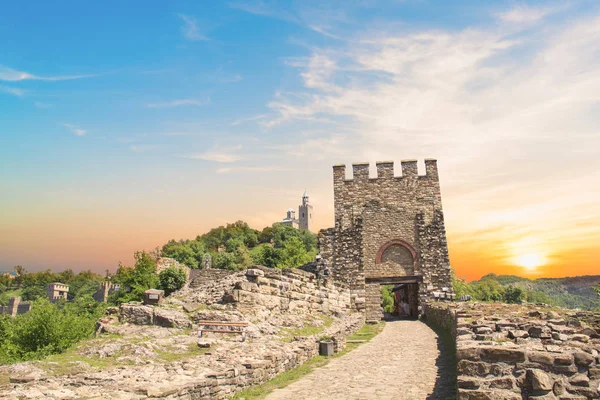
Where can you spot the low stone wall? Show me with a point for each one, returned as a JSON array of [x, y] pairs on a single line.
[[522, 352], [140, 314], [200, 277], [15, 307], [289, 290]]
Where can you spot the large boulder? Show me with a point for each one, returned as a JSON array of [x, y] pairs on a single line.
[[137, 314], [171, 319]]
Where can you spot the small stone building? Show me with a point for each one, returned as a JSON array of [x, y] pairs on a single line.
[[388, 231], [57, 291]]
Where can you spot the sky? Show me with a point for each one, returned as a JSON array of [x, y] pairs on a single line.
[[126, 124]]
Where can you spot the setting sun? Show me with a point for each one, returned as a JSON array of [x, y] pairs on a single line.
[[530, 261]]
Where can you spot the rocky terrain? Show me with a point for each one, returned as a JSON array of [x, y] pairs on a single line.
[[144, 351], [523, 352]]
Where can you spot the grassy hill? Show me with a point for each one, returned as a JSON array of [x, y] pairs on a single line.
[[570, 292]]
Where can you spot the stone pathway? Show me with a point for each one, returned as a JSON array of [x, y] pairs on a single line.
[[406, 360]]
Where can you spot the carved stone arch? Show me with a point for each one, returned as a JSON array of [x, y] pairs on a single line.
[[398, 255], [395, 242]]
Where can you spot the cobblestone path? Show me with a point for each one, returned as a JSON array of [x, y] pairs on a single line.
[[407, 360]]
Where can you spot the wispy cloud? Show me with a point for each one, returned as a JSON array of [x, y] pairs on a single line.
[[180, 103], [190, 29], [75, 129], [317, 16], [12, 90], [218, 154], [493, 104], [12, 75], [249, 119], [265, 9], [525, 14]]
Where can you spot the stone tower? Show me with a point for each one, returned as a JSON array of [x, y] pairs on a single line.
[[388, 231], [305, 211]]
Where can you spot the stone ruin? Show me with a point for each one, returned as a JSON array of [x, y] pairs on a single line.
[[388, 230], [515, 352], [15, 307]]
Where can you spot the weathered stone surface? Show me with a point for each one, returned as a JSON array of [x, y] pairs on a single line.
[[399, 225], [539, 380], [550, 365], [502, 354], [580, 380], [514, 334], [171, 318], [136, 314], [583, 359], [541, 357]]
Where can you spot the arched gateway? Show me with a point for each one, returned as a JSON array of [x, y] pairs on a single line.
[[388, 231]]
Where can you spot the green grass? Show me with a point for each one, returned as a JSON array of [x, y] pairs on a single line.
[[366, 332], [171, 356], [306, 330]]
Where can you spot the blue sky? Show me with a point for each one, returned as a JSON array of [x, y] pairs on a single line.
[[124, 124]]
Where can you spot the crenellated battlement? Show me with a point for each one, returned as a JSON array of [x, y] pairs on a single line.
[[385, 170]]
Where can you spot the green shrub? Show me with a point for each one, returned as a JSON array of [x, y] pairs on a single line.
[[48, 329], [171, 279]]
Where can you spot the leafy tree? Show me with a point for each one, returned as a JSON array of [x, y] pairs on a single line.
[[488, 290], [135, 281], [244, 246], [47, 329], [33, 293], [171, 279], [387, 298], [294, 254], [461, 287], [225, 260], [597, 289], [183, 251], [514, 295]]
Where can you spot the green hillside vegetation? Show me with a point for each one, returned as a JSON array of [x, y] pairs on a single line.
[[53, 328], [277, 246], [581, 292]]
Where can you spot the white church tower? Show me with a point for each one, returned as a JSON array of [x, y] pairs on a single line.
[[305, 211]]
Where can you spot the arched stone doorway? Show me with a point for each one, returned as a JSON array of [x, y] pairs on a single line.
[[397, 264]]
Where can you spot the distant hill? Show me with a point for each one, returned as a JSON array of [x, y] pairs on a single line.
[[570, 292]]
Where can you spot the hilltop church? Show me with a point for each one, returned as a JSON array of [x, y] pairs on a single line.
[[304, 220]]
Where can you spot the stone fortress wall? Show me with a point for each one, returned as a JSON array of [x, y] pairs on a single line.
[[516, 352], [15, 307], [387, 227]]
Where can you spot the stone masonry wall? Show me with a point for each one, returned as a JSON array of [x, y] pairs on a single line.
[[290, 290], [522, 352], [340, 247], [372, 213]]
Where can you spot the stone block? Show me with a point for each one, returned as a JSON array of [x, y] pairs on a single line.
[[514, 334], [171, 319], [136, 314], [583, 359], [502, 354], [466, 367], [539, 380], [467, 353], [541, 357], [580, 380]]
